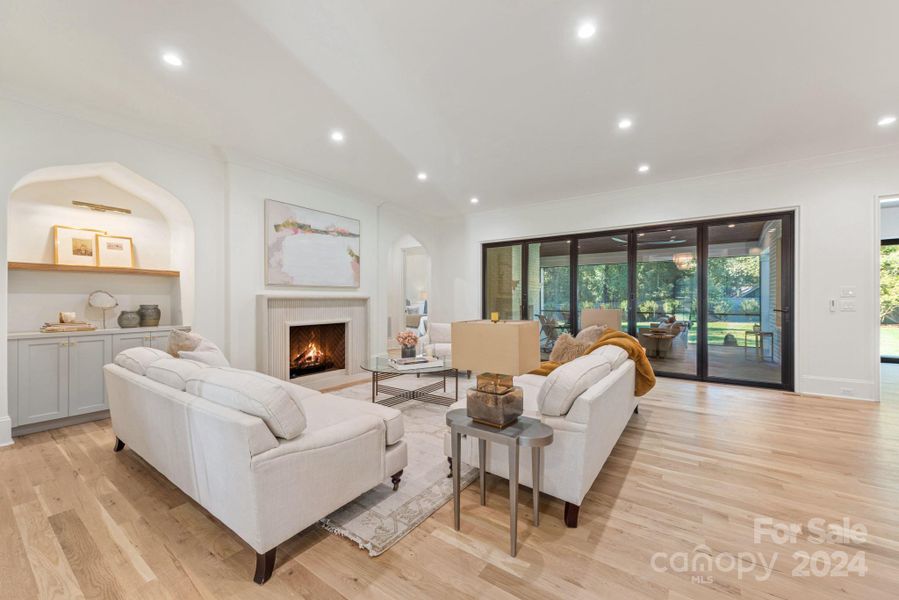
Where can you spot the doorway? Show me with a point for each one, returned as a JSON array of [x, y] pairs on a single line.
[[708, 300]]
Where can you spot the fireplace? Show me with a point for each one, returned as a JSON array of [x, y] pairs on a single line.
[[317, 348]]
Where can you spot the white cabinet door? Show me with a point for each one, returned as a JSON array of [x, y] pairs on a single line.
[[123, 341], [12, 379], [87, 355], [43, 380], [160, 341]]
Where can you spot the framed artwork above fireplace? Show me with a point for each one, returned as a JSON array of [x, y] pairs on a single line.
[[306, 247]]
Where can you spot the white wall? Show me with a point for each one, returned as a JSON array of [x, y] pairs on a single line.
[[836, 246]]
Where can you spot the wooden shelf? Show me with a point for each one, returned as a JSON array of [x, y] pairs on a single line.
[[26, 266]]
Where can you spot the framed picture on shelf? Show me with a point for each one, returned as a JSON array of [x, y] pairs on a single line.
[[74, 246], [115, 251]]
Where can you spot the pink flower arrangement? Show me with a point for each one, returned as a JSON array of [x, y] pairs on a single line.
[[407, 338]]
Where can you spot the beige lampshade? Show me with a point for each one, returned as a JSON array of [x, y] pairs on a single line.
[[610, 317], [505, 347]]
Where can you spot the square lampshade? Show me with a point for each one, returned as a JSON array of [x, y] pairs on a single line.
[[506, 347]]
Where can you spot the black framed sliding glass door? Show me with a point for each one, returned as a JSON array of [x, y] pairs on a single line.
[[708, 300]]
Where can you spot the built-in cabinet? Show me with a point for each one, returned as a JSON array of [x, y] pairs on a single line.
[[54, 376]]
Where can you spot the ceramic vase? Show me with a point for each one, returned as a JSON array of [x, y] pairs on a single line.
[[149, 315], [128, 319]]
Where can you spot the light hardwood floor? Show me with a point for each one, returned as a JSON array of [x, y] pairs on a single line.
[[695, 467]]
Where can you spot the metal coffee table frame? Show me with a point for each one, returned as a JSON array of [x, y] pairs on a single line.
[[525, 432], [382, 371]]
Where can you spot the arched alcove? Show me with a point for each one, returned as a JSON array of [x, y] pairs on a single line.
[[409, 282], [160, 225]]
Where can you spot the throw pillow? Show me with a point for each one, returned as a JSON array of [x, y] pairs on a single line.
[[565, 384], [207, 353], [270, 399], [138, 359], [182, 341], [567, 349], [591, 334]]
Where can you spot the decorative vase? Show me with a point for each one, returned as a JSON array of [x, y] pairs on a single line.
[[149, 315], [408, 351], [128, 319]]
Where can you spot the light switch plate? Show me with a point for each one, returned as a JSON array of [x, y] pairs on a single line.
[[847, 305], [847, 291]]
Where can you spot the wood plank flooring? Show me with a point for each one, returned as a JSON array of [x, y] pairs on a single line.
[[693, 469]]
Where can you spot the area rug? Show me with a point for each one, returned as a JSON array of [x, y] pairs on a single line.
[[381, 517]]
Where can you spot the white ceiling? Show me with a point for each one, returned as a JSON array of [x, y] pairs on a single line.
[[497, 98]]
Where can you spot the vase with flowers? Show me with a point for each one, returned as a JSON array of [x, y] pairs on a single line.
[[408, 340]]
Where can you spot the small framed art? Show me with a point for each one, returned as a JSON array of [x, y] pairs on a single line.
[[73, 246], [115, 251]]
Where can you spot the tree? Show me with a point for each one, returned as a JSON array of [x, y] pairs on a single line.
[[889, 283]]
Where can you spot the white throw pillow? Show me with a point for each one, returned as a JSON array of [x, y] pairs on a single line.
[[440, 332], [569, 381], [270, 399], [138, 359], [207, 353], [174, 372], [615, 355]]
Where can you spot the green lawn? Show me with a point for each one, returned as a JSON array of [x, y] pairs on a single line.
[[718, 329], [889, 340]]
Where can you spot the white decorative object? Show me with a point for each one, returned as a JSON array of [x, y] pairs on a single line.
[[102, 300], [307, 247]]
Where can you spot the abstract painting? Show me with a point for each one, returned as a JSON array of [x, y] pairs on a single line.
[[306, 247]]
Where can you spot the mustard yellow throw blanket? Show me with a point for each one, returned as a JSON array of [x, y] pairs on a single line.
[[646, 378]]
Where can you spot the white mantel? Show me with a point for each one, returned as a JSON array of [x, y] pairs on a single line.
[[276, 311]]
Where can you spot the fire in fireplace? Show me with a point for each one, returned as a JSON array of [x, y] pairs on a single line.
[[317, 348]]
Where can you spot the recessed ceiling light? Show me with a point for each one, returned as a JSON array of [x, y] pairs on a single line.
[[643, 168], [625, 124], [886, 120], [586, 30], [422, 176], [337, 136], [474, 200], [640, 234], [731, 225], [172, 59]]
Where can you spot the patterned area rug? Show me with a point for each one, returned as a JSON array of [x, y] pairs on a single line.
[[381, 517]]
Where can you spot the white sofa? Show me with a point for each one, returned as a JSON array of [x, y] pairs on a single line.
[[439, 338], [585, 431], [264, 488]]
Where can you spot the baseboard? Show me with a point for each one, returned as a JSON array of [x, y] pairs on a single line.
[[837, 387], [57, 423], [5, 431]]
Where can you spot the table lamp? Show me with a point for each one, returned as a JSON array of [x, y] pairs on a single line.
[[497, 351]]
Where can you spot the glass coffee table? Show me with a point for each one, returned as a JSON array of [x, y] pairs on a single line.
[[381, 370]]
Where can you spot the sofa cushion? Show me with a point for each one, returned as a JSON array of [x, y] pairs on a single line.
[[138, 359], [253, 393], [615, 355], [325, 410], [569, 381], [206, 352], [174, 372]]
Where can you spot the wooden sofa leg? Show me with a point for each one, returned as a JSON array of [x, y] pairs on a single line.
[[265, 564], [449, 459], [637, 410], [119, 445], [571, 512], [395, 478]]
